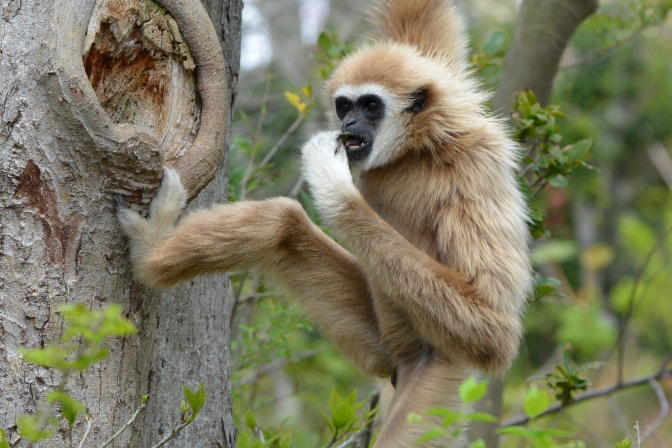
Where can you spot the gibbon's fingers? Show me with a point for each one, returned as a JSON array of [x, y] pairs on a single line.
[[444, 308], [326, 170], [276, 237]]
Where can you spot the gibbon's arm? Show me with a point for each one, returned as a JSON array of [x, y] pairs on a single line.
[[447, 310], [274, 236]]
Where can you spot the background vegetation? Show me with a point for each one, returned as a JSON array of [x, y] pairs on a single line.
[[605, 241]]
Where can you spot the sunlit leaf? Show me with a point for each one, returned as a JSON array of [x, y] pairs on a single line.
[[536, 401]]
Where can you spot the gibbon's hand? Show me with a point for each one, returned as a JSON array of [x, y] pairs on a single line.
[[326, 169]]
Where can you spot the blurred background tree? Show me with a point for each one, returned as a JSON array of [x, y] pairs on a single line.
[[607, 238]]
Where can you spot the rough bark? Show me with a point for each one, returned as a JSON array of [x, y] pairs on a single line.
[[63, 156], [543, 30], [193, 343]]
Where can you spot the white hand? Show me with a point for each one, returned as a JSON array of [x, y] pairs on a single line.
[[326, 169]]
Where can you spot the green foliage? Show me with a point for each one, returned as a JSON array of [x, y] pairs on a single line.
[[4, 441], [343, 415], [192, 403], [70, 407], [539, 131], [547, 162], [264, 340], [331, 51], [36, 427], [490, 59], [567, 379], [85, 331], [625, 443]]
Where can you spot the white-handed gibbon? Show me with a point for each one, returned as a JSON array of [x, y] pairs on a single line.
[[431, 283]]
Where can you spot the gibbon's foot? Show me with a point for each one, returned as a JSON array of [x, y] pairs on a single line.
[[165, 208], [327, 171]]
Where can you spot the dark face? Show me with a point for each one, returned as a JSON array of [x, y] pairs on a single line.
[[360, 120]]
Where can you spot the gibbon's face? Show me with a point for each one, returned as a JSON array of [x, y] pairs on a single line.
[[373, 121]]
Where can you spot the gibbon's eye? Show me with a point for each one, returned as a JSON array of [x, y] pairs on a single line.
[[371, 106], [343, 106]]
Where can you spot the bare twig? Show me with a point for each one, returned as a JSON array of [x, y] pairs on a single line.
[[176, 430], [277, 365], [664, 408], [283, 137], [89, 423], [127, 425], [633, 298], [294, 192], [595, 393]]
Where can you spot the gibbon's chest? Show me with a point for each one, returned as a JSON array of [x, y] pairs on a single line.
[[409, 201]]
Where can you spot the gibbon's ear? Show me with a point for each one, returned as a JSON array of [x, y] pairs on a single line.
[[419, 98]]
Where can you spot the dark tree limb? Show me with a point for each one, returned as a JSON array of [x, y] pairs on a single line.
[[542, 32]]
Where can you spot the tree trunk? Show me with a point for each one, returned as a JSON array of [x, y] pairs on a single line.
[[193, 328], [68, 143]]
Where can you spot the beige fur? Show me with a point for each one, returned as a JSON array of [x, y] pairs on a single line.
[[436, 273]]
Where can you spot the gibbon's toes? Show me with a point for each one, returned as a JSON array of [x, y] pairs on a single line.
[[171, 198], [130, 221], [119, 202]]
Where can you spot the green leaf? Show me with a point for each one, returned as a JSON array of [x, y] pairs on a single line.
[[196, 399], [471, 390], [495, 43], [625, 443], [250, 420], [244, 440], [558, 181], [70, 407], [481, 417], [536, 402], [480, 443], [514, 431], [576, 150], [4, 441], [29, 428], [342, 415], [546, 286], [431, 435]]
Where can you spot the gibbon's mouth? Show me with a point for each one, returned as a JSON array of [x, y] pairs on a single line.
[[357, 146]]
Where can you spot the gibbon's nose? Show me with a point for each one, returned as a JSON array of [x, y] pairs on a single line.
[[348, 123]]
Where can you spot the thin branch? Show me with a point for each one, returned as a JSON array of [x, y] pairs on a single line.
[[277, 365], [664, 408], [294, 192], [173, 433], [127, 425], [595, 393], [283, 137], [633, 296], [89, 423]]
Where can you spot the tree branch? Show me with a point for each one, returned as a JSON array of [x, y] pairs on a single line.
[[542, 32], [662, 374]]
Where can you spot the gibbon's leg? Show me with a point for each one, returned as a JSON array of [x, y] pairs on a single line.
[[422, 384], [274, 236], [443, 307]]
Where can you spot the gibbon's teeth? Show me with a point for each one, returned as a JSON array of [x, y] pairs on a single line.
[[352, 142]]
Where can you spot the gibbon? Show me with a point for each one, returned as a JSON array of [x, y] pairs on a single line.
[[429, 285]]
